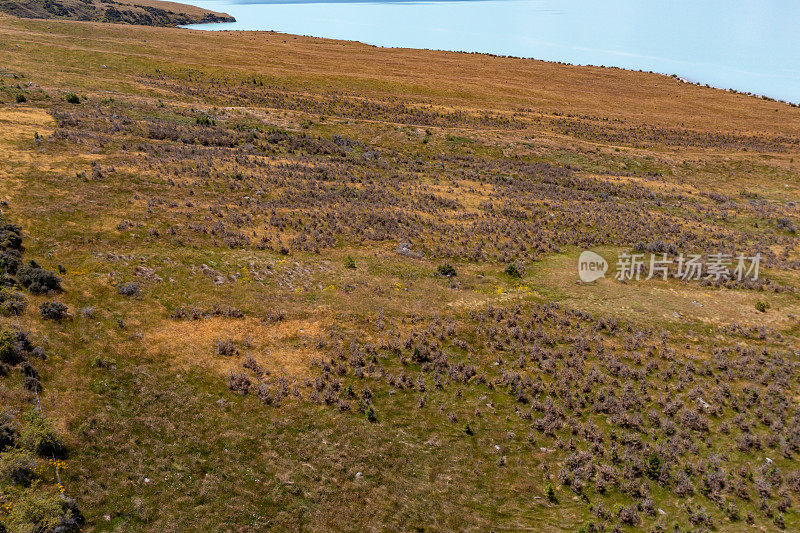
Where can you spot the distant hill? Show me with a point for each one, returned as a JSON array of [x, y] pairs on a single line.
[[142, 12]]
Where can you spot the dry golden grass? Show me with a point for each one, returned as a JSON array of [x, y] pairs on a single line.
[[446, 78], [286, 346]]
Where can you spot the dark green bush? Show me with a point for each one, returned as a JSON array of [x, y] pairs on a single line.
[[513, 271], [10, 236], [369, 413], [762, 306], [38, 280], [589, 527], [349, 262], [11, 302], [72, 98], [550, 492], [9, 350], [9, 429], [40, 437], [36, 511], [10, 261], [23, 341], [204, 120], [21, 99], [53, 311], [18, 466], [653, 466], [447, 270]]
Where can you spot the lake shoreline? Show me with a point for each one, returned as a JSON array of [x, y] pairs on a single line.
[[656, 39], [197, 27]]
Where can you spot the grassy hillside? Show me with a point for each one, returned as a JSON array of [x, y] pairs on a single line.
[[317, 284], [141, 12]]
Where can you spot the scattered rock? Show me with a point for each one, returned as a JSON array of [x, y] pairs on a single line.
[[404, 248], [147, 273]]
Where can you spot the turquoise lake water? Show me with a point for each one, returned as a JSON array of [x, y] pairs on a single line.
[[749, 46]]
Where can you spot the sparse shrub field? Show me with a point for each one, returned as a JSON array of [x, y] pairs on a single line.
[[242, 296]]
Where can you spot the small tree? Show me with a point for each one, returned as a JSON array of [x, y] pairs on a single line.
[[653, 466], [550, 493], [369, 413], [513, 270], [446, 270]]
